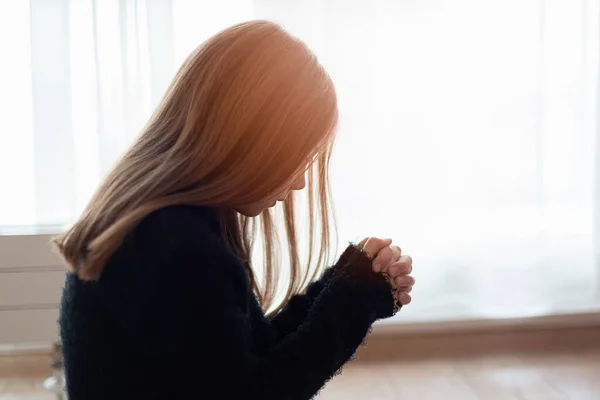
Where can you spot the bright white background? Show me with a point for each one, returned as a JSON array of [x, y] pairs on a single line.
[[469, 128]]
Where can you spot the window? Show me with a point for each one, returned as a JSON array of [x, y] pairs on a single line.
[[471, 125]]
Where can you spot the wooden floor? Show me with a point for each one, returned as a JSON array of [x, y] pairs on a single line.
[[21, 377], [553, 374], [573, 376]]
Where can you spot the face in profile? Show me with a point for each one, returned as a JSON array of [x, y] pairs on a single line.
[[253, 210], [260, 109]]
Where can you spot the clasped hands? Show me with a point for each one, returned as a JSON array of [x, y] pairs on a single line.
[[388, 259]]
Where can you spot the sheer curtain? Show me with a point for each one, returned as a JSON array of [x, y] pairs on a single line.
[[469, 128]]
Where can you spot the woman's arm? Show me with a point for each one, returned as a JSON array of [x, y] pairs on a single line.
[[297, 308], [295, 311], [187, 313]]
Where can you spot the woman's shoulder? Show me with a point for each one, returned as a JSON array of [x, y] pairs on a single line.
[[183, 234], [179, 221], [181, 239], [180, 228], [174, 258]]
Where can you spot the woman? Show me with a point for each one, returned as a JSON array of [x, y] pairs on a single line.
[[160, 301]]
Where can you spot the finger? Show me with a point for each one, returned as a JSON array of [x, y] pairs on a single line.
[[405, 258], [397, 253], [401, 267], [404, 280], [383, 259], [405, 289], [364, 241], [386, 257], [373, 245], [404, 298]]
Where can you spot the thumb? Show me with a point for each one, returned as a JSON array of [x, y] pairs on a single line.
[[386, 242], [373, 245]]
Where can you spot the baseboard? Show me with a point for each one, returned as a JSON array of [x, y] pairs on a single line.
[[572, 333], [26, 349], [482, 325]]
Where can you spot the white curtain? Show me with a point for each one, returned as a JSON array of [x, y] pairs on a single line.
[[469, 128]]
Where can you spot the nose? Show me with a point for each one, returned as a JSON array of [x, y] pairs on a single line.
[[299, 183]]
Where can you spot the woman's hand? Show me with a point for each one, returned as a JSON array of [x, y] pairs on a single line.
[[399, 272], [390, 260], [372, 246]]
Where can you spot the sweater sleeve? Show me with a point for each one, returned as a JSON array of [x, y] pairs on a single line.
[[187, 311], [297, 308]]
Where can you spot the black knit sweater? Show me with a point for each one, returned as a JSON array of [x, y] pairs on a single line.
[[174, 317]]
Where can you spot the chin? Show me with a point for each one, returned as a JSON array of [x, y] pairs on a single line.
[[254, 211], [249, 212]]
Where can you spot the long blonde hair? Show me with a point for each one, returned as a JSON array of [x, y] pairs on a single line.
[[247, 110]]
